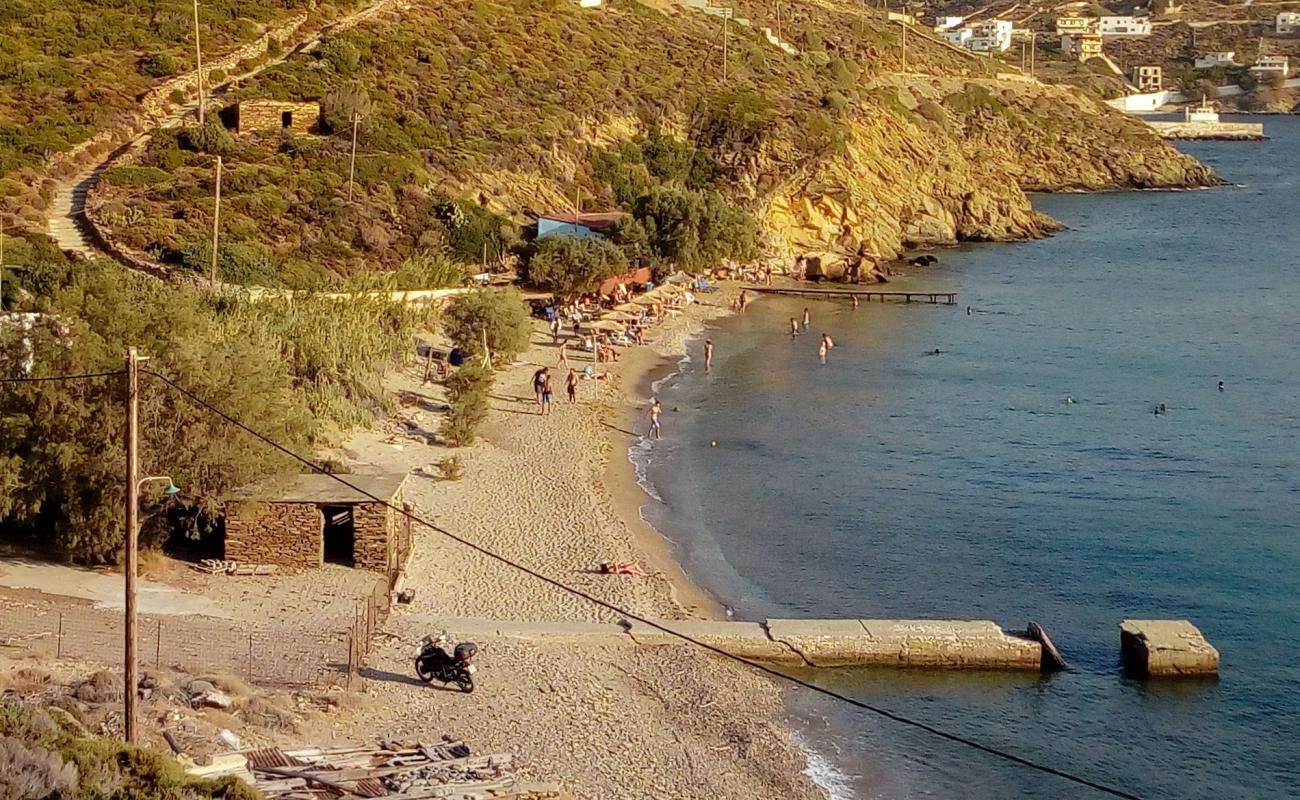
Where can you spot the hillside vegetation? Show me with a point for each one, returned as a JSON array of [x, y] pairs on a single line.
[[470, 108], [70, 69]]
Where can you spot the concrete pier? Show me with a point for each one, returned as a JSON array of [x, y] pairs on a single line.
[[943, 644], [952, 644], [1234, 131], [1166, 647]]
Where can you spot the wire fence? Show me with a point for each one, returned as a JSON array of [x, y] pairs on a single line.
[[264, 653]]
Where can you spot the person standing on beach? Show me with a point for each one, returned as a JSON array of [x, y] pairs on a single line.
[[539, 381], [571, 385], [564, 354], [708, 355], [555, 329], [547, 394], [742, 301], [656, 411], [807, 318]]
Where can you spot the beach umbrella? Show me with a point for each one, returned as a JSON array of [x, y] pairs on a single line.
[[629, 308], [647, 300], [624, 316], [607, 325]]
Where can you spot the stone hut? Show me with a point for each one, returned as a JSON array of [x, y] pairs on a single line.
[[309, 520], [280, 115]]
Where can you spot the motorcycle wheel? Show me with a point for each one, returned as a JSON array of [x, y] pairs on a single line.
[[465, 682], [421, 672]]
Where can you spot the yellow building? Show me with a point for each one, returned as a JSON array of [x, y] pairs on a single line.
[[1066, 25], [1081, 46]]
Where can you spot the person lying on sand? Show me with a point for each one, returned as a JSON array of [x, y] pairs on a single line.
[[627, 568]]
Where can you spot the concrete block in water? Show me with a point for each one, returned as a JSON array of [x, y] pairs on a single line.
[[972, 644], [1162, 647]]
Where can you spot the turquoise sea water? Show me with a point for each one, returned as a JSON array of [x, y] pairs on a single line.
[[896, 483]]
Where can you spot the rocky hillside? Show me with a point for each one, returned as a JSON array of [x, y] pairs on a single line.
[[507, 103]]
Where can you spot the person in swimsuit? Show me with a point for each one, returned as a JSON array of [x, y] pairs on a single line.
[[547, 393], [855, 301], [807, 318], [827, 341], [708, 355], [656, 411], [571, 385], [822, 349], [564, 354], [794, 327]]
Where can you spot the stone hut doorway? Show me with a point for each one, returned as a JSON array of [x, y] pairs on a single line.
[[306, 521], [338, 535], [286, 119]]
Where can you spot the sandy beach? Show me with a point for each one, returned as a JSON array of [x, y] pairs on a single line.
[[558, 494]]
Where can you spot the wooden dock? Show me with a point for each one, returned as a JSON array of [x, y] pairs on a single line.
[[947, 298]]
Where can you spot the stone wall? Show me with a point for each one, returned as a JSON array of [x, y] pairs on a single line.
[[259, 115], [284, 534], [374, 549]]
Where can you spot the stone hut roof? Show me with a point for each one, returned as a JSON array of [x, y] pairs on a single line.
[[324, 490]]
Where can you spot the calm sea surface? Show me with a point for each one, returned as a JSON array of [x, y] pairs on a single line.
[[893, 482]]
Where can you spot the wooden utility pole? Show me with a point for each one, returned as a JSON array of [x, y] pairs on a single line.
[[725, 32], [352, 165], [216, 227], [131, 682], [1033, 47], [198, 60], [904, 24], [2, 263], [778, 20]]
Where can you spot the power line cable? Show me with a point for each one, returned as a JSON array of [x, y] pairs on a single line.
[[48, 378], [951, 737]]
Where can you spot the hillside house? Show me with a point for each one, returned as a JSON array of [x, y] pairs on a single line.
[[1288, 22], [991, 36], [1225, 58], [942, 24], [959, 36], [1066, 25], [1268, 66], [1124, 26], [1082, 46], [280, 115], [314, 519], [1148, 78], [580, 226]]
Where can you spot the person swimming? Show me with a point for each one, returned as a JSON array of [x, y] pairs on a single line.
[[1220, 385]]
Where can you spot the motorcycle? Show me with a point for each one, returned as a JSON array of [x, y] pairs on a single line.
[[433, 663]]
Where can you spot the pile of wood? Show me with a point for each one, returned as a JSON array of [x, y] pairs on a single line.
[[215, 566], [398, 771]]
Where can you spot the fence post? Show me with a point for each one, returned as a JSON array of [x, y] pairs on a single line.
[[250, 656], [58, 647], [350, 662], [157, 650]]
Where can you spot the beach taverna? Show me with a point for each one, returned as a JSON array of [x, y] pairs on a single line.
[[309, 520]]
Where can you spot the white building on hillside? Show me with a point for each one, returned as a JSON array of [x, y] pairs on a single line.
[[942, 24], [1288, 22], [992, 35], [1268, 66], [959, 37], [1066, 25], [1124, 26], [1226, 58]]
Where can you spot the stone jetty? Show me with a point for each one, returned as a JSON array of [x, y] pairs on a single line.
[[944, 644], [1165, 647]]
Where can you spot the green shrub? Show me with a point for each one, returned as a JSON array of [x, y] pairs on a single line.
[[246, 264], [158, 65], [501, 313], [468, 389], [129, 175], [451, 468], [210, 137], [216, 77], [569, 266]]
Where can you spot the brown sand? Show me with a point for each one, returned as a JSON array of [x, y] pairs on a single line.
[[557, 494]]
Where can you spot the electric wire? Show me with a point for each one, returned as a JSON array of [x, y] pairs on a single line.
[[896, 717]]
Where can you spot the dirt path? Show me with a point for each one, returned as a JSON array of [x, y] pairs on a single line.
[[68, 225]]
